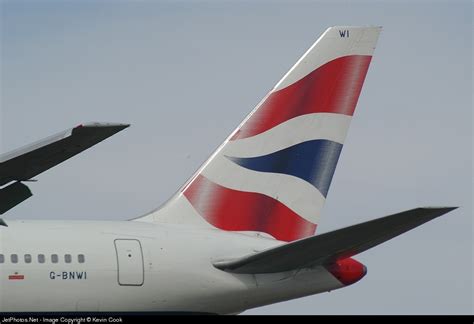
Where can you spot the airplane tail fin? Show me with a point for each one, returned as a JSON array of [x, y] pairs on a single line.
[[273, 173]]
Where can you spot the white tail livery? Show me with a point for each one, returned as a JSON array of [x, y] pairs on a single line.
[[273, 173], [237, 235]]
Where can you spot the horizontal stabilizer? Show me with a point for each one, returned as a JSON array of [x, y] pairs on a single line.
[[27, 162], [12, 195], [328, 247]]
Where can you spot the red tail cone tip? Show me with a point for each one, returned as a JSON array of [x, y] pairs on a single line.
[[347, 271]]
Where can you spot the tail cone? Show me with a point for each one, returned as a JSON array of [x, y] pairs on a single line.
[[347, 271]]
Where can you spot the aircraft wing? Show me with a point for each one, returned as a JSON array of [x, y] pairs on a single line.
[[27, 162], [329, 247]]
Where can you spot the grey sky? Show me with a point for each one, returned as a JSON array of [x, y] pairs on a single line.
[[185, 74]]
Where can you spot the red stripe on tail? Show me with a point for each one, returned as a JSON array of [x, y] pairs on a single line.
[[234, 210], [332, 88]]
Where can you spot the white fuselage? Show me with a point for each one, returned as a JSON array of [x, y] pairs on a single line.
[[138, 267]]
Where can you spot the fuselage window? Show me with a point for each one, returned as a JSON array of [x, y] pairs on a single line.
[[67, 258], [41, 258], [81, 258], [14, 258], [2, 258], [27, 258], [54, 258]]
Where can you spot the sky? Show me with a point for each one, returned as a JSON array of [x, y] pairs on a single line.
[[184, 74]]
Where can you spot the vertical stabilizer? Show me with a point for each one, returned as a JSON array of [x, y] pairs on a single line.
[[273, 173]]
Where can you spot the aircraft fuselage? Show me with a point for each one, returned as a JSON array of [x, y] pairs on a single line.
[[90, 266]]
